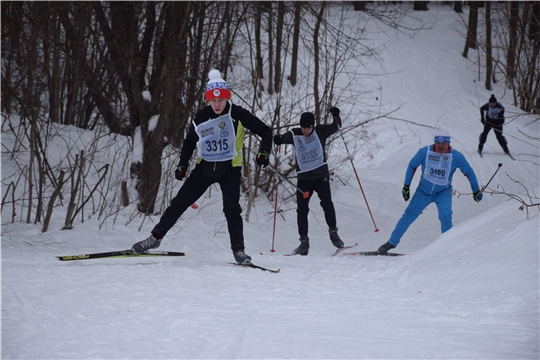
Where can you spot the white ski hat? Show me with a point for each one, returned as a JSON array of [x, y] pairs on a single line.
[[442, 136]]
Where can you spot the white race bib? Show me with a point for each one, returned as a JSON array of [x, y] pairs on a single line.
[[493, 112], [309, 152], [216, 139], [438, 167]]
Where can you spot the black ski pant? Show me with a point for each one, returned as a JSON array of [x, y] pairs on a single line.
[[322, 188], [194, 187], [498, 129]]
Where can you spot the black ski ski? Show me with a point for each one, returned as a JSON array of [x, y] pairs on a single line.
[[343, 248], [480, 153], [372, 253], [118, 254], [253, 266], [511, 157]]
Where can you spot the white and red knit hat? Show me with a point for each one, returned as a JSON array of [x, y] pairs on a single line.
[[217, 88]]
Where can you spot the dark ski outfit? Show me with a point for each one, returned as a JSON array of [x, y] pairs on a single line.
[[492, 117], [309, 178], [225, 172]]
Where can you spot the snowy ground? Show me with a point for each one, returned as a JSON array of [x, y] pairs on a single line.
[[472, 293]]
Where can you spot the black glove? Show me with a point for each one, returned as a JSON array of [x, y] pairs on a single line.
[[334, 111], [477, 195], [278, 140], [263, 159], [180, 172], [406, 192]]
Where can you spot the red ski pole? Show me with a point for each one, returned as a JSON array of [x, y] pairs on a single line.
[[357, 177], [275, 209]]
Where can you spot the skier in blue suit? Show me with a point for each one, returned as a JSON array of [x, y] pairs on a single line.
[[439, 162]]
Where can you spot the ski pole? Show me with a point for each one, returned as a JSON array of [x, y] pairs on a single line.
[[485, 186], [275, 215], [275, 209], [305, 194], [356, 173]]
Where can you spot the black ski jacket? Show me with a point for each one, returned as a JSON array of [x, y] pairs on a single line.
[[242, 118]]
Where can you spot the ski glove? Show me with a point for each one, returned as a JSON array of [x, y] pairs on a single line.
[[180, 173], [263, 159], [278, 140], [334, 111], [406, 192], [477, 195]]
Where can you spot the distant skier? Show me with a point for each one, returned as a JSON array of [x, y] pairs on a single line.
[[439, 162], [217, 132], [313, 174], [492, 116]]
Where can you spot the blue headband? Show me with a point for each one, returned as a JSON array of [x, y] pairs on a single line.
[[442, 139]]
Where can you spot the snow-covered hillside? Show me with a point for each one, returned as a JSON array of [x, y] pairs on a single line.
[[472, 292]]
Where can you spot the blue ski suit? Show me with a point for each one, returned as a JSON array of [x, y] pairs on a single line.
[[429, 191]]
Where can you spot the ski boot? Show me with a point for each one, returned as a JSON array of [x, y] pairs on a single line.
[[145, 245], [383, 250], [303, 249], [241, 257], [334, 237]]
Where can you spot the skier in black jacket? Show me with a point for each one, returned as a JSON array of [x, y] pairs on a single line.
[[312, 173], [492, 116], [217, 132]]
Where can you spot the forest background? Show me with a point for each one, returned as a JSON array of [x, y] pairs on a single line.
[[134, 73]]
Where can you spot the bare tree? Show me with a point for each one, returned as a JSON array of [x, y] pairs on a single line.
[[296, 34], [458, 6], [489, 62], [511, 52], [316, 66], [470, 42], [279, 44], [268, 8], [136, 71], [420, 5]]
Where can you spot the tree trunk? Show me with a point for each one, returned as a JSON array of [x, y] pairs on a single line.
[[359, 5], [420, 6], [270, 49], [489, 58], [317, 65], [258, 41], [512, 41], [470, 43], [534, 25], [149, 175], [296, 39], [279, 41]]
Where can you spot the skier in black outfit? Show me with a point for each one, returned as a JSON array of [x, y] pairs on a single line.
[[312, 172], [217, 132], [492, 116]]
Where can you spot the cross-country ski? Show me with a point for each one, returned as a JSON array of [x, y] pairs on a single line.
[[118, 254]]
